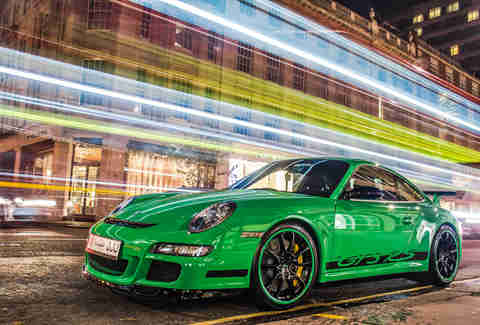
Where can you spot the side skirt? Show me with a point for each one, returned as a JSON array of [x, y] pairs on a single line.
[[374, 271]]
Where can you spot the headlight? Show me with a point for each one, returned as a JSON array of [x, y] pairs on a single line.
[[181, 250], [122, 205], [211, 216]]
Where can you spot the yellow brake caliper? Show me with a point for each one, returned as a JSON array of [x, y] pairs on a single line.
[[300, 268]]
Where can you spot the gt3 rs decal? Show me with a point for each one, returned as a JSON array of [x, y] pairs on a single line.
[[367, 260]]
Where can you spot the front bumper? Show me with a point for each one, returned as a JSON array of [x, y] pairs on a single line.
[[226, 267]]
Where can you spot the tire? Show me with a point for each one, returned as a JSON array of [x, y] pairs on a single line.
[[444, 256], [283, 273]]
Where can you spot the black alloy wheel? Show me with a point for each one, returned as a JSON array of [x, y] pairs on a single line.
[[444, 257], [285, 268]]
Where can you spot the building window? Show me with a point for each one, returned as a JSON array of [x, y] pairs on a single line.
[[454, 50], [214, 46], [183, 97], [244, 57], [88, 98], [418, 19], [299, 78], [419, 31], [99, 12], [146, 20], [454, 6], [158, 171], [472, 15], [274, 72], [184, 38], [434, 12], [43, 166]]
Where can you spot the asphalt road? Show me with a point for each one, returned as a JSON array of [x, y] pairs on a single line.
[[40, 283]]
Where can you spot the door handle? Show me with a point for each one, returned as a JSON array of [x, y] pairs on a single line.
[[407, 220]]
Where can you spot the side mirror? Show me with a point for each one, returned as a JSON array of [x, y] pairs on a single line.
[[436, 199]]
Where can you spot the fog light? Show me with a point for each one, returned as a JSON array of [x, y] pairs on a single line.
[[182, 250]]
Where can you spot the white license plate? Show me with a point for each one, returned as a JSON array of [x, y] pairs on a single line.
[[106, 247]]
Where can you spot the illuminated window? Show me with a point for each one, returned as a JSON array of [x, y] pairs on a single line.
[[454, 50], [99, 12], [454, 6], [244, 57], [435, 12], [273, 72], [472, 15], [418, 19], [419, 31], [299, 78]]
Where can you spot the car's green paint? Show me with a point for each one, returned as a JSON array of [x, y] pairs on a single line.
[[342, 230]]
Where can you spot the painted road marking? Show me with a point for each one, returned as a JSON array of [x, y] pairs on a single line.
[[330, 316], [308, 306]]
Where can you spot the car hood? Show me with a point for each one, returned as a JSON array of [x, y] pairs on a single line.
[[175, 212]]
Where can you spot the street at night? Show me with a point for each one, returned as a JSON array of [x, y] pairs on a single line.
[[40, 268], [209, 162]]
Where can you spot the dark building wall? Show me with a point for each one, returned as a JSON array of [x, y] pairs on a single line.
[[452, 28]]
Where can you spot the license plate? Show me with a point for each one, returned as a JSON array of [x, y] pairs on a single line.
[[106, 247]]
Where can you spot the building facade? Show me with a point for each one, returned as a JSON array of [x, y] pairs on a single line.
[[87, 172], [452, 27]]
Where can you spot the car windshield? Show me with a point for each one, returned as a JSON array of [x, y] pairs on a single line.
[[307, 176]]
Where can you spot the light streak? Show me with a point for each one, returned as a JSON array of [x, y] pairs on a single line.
[[89, 182], [315, 59], [207, 115], [91, 126]]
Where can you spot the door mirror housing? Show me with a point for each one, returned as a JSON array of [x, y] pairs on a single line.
[[436, 199]]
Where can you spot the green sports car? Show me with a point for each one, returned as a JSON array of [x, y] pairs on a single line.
[[277, 232]]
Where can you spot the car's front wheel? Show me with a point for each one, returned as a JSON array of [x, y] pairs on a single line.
[[285, 268], [444, 256]]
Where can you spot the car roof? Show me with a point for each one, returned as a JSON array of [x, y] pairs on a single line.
[[350, 161]]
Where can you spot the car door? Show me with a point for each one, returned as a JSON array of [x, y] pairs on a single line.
[[375, 219]]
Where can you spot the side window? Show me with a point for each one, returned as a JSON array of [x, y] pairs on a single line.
[[406, 192], [376, 184]]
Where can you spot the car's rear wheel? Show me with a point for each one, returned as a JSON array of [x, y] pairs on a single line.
[[285, 268], [444, 256]]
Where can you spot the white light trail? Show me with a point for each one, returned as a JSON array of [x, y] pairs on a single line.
[[302, 54], [207, 115]]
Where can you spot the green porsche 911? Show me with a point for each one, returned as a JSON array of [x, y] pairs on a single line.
[[277, 232]]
